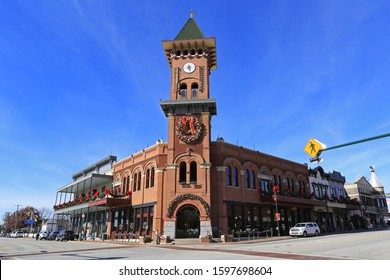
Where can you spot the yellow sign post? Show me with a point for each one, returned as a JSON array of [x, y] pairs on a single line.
[[314, 147]]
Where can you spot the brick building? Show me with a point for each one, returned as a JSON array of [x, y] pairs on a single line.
[[191, 186]]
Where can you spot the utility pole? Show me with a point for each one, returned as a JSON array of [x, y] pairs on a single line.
[[16, 218]]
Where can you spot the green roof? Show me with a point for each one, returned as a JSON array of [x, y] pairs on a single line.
[[190, 31]]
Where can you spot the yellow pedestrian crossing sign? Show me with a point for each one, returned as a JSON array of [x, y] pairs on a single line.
[[314, 147]]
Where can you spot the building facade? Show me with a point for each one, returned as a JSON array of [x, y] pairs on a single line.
[[372, 201], [193, 187]]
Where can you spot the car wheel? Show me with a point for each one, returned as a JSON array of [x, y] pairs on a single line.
[[316, 233], [304, 234]]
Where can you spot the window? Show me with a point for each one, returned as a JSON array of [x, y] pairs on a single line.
[[183, 91], [124, 184], [265, 185], [277, 181], [193, 172], [253, 179], [194, 90], [229, 175], [247, 180], [135, 182], [182, 172], [235, 176], [147, 178], [139, 181], [152, 177]]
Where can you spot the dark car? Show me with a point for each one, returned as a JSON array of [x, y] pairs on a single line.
[[53, 234], [64, 235]]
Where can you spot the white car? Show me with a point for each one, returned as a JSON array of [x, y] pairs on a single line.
[[43, 235], [17, 234], [305, 229]]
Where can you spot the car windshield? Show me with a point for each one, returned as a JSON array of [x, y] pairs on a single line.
[[300, 225]]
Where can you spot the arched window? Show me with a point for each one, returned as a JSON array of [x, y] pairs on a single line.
[[124, 184], [152, 178], [253, 179], [182, 172], [247, 180], [193, 172], [135, 182], [139, 181], [183, 91], [235, 176], [194, 90], [147, 178], [229, 175]]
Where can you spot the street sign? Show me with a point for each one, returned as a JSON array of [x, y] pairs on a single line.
[[29, 222], [314, 147]]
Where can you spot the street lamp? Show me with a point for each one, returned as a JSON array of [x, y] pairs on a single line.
[[82, 226], [277, 215]]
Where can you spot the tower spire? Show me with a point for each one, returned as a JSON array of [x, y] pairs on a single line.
[[192, 14]]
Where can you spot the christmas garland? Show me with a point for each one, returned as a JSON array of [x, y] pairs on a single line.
[[182, 197]]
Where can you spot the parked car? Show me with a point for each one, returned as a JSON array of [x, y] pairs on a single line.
[[53, 234], [65, 235], [17, 234], [305, 229], [43, 235]]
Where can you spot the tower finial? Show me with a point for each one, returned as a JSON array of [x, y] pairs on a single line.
[[192, 14]]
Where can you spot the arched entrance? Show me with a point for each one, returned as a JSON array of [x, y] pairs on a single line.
[[187, 222]]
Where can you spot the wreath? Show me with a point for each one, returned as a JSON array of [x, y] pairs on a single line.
[[189, 129]]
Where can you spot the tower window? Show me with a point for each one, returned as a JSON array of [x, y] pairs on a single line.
[[178, 53], [193, 52], [185, 52], [183, 91], [193, 172], [200, 51], [194, 90], [182, 172]]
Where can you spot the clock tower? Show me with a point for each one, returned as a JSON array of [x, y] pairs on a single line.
[[191, 57]]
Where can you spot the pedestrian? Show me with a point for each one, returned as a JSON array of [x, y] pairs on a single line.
[[37, 236], [85, 234]]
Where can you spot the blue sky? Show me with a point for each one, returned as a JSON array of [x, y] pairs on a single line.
[[75, 83]]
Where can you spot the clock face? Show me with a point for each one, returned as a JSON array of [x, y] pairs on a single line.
[[189, 67]]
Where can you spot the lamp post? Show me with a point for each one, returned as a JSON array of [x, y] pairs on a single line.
[[277, 216], [82, 226]]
